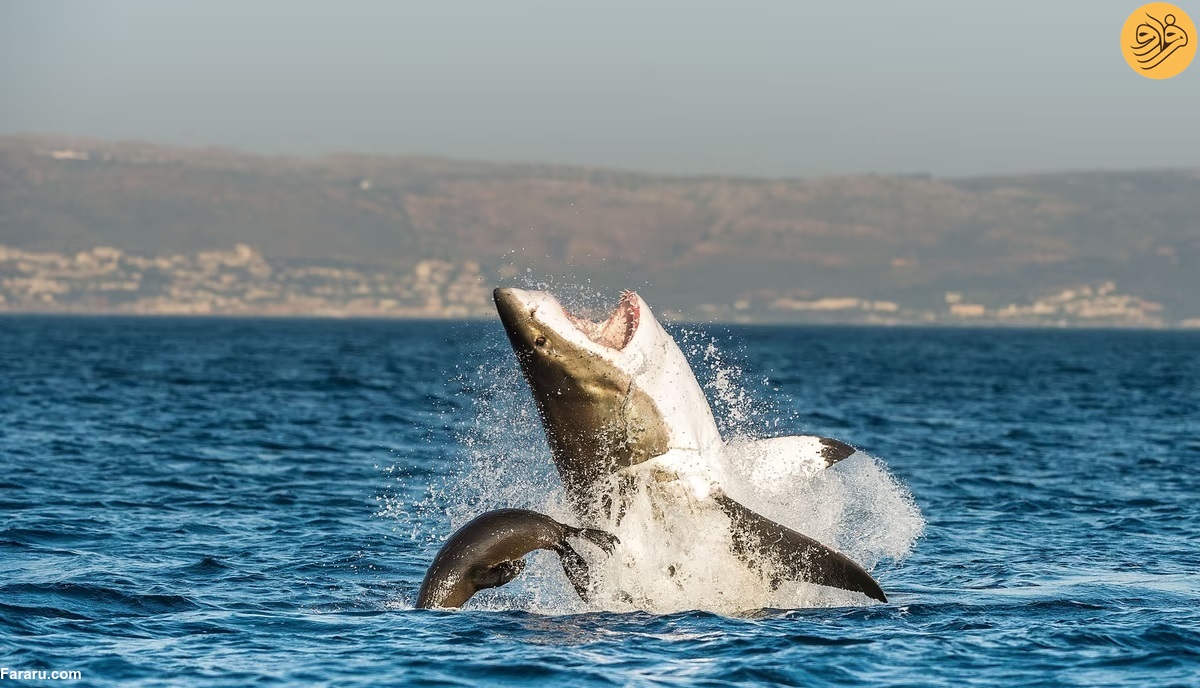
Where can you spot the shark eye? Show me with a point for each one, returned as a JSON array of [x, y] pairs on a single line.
[[540, 341]]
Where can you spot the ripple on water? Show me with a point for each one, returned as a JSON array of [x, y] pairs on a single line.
[[193, 503]]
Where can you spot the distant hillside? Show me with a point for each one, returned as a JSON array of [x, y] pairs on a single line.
[[765, 243]]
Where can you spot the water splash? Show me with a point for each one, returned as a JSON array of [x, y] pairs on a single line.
[[675, 553]]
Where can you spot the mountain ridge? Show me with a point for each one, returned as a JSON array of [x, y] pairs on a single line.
[[699, 240]]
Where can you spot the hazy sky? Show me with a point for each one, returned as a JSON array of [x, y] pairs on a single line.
[[780, 88]]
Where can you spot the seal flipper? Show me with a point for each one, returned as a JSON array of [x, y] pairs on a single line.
[[500, 574], [602, 539], [796, 555], [576, 569]]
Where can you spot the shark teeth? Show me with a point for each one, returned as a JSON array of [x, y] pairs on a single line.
[[618, 330], [628, 306]]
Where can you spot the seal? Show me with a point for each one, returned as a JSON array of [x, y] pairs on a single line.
[[488, 552], [619, 402]]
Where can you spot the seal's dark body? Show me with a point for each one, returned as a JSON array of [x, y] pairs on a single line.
[[488, 552]]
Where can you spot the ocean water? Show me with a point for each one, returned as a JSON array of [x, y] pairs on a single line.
[[254, 502]]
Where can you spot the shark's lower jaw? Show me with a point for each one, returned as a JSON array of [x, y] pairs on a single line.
[[616, 332]]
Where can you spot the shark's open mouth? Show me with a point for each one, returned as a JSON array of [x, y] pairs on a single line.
[[618, 330]]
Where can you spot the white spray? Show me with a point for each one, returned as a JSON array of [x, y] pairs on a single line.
[[676, 550]]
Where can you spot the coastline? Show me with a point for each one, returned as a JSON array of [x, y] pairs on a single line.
[[747, 323]]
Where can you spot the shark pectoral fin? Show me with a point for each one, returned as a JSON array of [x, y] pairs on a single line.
[[833, 451], [796, 556], [779, 460], [602, 539], [576, 569], [500, 574]]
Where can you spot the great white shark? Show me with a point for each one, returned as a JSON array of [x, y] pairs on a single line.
[[619, 402]]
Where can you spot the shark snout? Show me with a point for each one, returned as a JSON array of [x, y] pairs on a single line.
[[512, 306]]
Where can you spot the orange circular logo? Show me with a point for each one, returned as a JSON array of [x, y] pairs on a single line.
[[1158, 40]]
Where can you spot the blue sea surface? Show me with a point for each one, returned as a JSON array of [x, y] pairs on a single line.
[[222, 503]]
